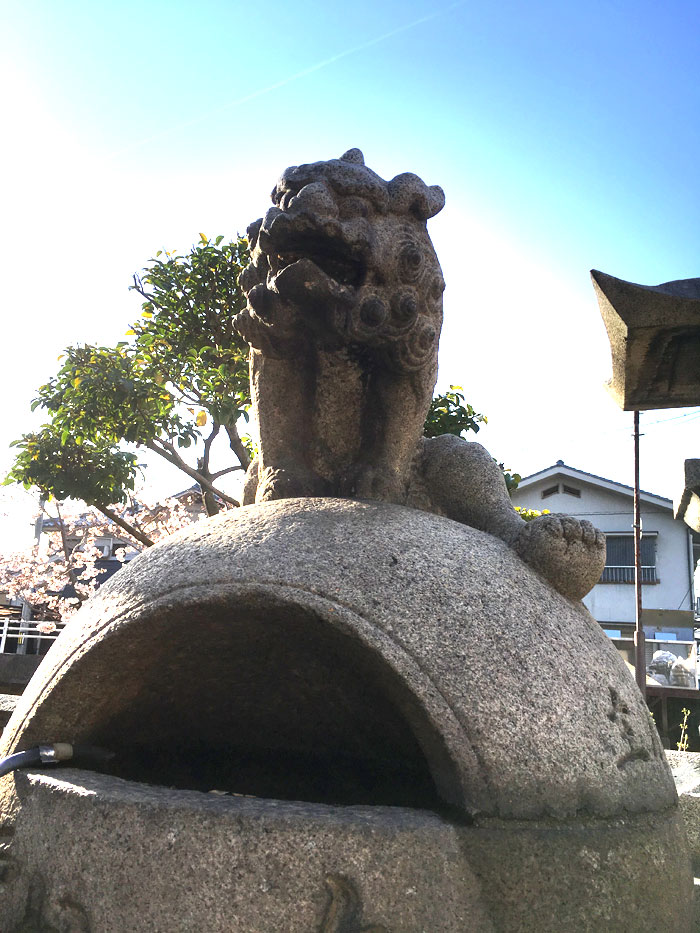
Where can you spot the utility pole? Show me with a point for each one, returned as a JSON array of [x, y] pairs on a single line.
[[640, 666]]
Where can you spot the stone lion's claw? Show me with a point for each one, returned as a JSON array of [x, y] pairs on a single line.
[[568, 552]]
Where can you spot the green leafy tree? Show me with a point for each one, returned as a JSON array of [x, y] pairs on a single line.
[[182, 378], [59, 468], [512, 481], [449, 413]]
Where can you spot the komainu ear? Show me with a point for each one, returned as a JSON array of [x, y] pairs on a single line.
[[353, 155], [410, 194]]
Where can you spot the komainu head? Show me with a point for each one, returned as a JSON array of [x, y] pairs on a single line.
[[343, 259]]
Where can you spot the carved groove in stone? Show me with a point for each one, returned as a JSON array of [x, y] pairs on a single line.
[[344, 912], [620, 714], [41, 915]]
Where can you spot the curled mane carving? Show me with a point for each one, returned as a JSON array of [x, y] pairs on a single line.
[[343, 258]]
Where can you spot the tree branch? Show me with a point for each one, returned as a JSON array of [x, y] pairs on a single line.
[[129, 528], [72, 575], [216, 427], [208, 496], [237, 445], [219, 473], [168, 452]]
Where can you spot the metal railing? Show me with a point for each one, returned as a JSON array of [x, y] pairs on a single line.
[[22, 636], [624, 574]]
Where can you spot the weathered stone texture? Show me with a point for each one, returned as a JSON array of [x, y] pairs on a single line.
[[368, 663], [441, 622], [103, 855], [584, 877], [344, 314], [686, 774], [233, 863]]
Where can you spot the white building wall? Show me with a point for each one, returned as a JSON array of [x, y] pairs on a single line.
[[612, 513]]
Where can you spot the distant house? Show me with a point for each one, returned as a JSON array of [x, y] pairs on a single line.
[[669, 556]]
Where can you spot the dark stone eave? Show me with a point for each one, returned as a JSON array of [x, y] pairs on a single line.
[[654, 334], [687, 506]]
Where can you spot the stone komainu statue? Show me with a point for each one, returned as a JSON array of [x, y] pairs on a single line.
[[344, 315], [343, 318]]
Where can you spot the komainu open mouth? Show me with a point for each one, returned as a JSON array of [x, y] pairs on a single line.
[[328, 256]]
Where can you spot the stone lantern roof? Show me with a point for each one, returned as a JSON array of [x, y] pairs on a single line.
[[654, 334]]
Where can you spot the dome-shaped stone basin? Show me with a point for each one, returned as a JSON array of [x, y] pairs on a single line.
[[346, 655]]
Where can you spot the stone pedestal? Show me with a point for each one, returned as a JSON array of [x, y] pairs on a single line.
[[340, 716]]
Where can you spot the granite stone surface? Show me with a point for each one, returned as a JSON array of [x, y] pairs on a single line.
[[685, 767], [123, 856], [585, 876], [375, 671], [95, 853], [282, 626]]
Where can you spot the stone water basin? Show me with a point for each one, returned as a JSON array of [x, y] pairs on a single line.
[[407, 728]]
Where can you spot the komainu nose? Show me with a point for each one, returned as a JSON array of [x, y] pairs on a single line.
[[315, 198]]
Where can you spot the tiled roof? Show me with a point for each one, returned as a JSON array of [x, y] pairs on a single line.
[[604, 479]]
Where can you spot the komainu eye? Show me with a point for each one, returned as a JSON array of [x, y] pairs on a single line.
[[410, 262]]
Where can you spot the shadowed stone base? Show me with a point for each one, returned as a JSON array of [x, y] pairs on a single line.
[[584, 876], [686, 773], [131, 857], [104, 855]]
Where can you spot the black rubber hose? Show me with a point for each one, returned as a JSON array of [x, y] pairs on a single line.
[[53, 754], [32, 756]]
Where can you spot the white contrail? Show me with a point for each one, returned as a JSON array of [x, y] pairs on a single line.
[[295, 77]]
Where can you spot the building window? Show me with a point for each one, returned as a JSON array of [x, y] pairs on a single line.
[[619, 559], [552, 491], [572, 491]]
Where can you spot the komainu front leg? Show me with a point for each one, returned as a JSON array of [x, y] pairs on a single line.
[[568, 552], [393, 416], [283, 391], [462, 481]]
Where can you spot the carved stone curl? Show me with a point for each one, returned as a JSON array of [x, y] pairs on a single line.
[[344, 911]]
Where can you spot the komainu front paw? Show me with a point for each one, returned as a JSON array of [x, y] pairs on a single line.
[[568, 552]]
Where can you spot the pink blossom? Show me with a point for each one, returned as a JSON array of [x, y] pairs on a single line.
[[39, 575]]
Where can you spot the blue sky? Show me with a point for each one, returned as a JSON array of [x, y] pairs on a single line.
[[566, 137]]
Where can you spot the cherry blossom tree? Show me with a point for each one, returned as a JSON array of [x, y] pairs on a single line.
[[65, 566]]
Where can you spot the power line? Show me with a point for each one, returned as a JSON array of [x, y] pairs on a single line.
[[688, 414]]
